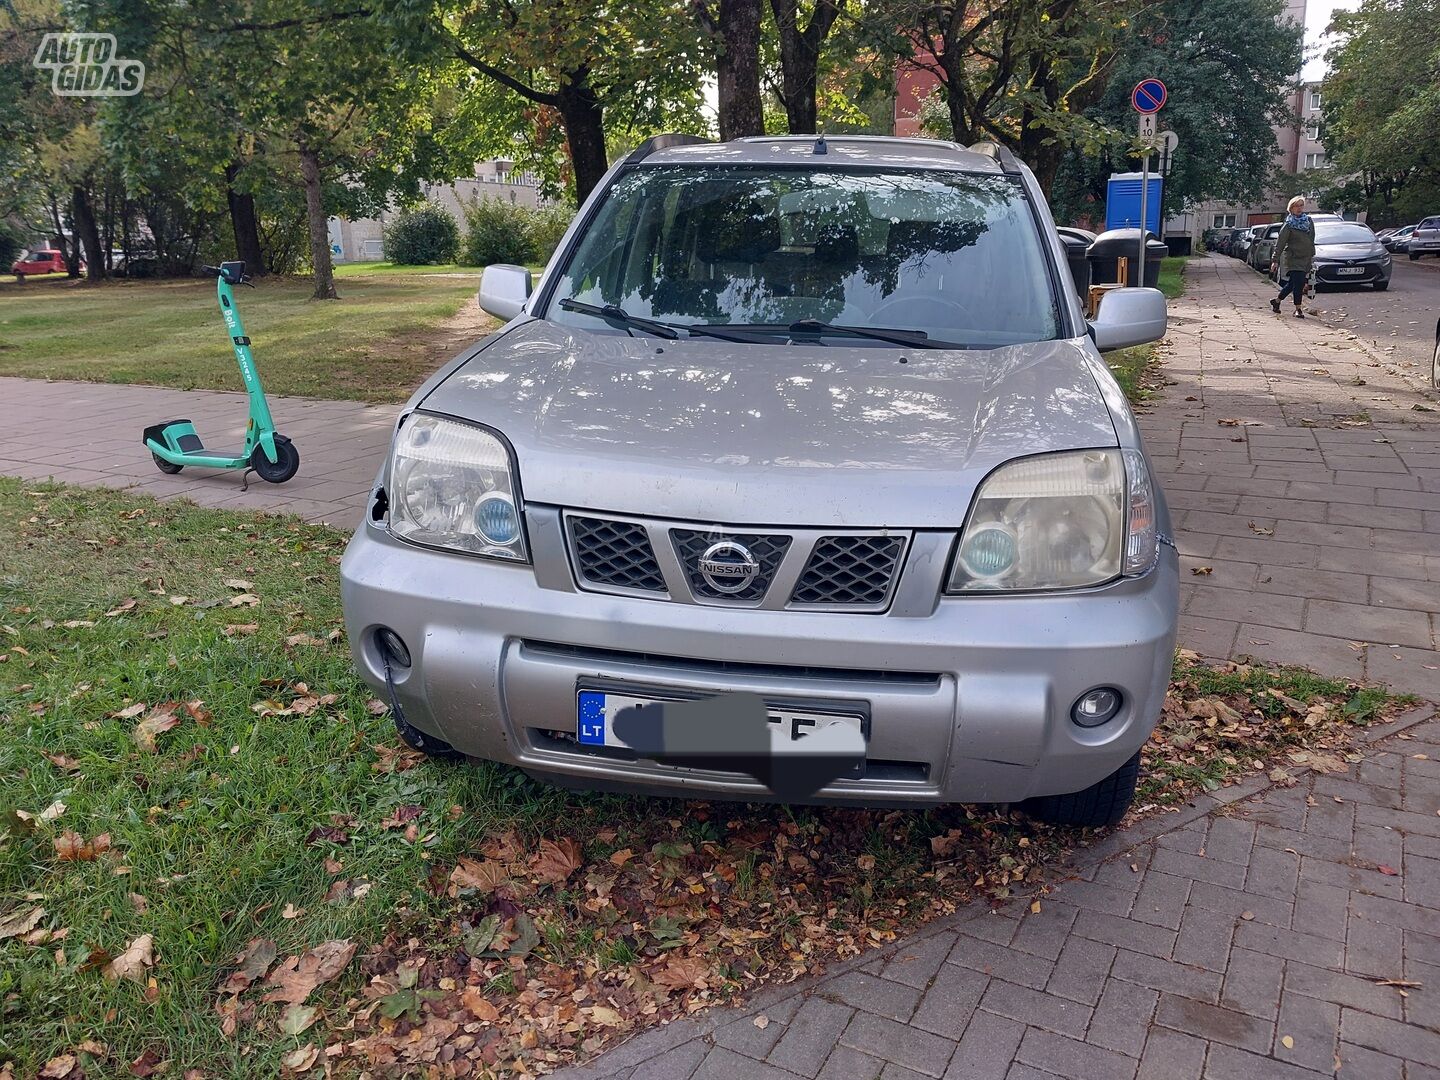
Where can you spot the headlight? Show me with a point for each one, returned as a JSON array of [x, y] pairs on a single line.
[[1059, 521], [451, 486]]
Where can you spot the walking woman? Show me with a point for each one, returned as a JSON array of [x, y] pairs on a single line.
[[1294, 254]]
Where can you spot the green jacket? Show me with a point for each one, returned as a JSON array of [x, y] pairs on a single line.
[[1295, 247]]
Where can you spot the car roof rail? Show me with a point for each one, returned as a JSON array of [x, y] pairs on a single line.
[[662, 142], [1001, 154]]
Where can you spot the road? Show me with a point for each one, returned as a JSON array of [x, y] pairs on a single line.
[[1399, 322]]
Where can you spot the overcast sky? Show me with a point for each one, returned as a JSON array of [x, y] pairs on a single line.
[[1317, 18]]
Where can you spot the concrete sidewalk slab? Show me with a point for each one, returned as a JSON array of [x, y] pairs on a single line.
[[1303, 473], [89, 433]]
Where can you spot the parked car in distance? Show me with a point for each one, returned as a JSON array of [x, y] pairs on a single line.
[[1398, 242], [819, 422], [1347, 253], [1247, 241], [1425, 240], [41, 261], [1232, 243], [1262, 250]]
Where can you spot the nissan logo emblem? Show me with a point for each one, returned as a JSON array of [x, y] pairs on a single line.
[[728, 567]]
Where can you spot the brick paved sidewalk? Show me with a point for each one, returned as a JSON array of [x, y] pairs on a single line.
[[1317, 508], [89, 433], [1241, 940]]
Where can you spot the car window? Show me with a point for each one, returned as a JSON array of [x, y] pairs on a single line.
[[1429, 223], [1342, 232], [957, 255]]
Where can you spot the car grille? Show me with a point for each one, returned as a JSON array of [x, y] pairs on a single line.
[[849, 570], [615, 553], [769, 551]]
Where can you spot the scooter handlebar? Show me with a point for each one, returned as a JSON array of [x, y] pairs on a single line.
[[219, 271]]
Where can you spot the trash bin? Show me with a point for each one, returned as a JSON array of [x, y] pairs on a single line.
[[1105, 254], [1076, 245]]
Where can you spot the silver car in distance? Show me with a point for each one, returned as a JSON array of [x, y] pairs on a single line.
[[817, 423]]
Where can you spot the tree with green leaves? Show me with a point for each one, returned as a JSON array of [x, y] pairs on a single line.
[[802, 35], [1381, 106], [1230, 67], [596, 66]]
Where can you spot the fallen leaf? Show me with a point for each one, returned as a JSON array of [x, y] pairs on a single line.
[[245, 599], [1202, 571], [57, 1068], [682, 972], [156, 722], [130, 711], [1287, 1042], [61, 761], [621, 857], [762, 1021], [124, 606], [297, 977], [241, 629], [296, 1018], [292, 912], [131, 964], [479, 1007], [239, 584], [53, 811], [300, 1060], [483, 875], [1388, 871], [303, 639], [20, 921], [253, 960], [147, 1064], [865, 863], [556, 861]]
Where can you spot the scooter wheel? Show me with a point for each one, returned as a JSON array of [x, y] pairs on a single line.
[[286, 465], [165, 466]]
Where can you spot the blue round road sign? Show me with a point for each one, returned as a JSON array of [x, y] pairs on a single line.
[[1148, 96]]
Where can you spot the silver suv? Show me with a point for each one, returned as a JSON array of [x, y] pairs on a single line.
[[1425, 240], [813, 431]]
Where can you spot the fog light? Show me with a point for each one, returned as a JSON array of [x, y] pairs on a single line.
[[497, 520], [1096, 707], [392, 646], [989, 552]]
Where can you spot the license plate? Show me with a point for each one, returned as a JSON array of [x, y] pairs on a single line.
[[1350, 270], [597, 710]]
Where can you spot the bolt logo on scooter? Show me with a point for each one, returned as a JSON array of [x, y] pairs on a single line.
[[175, 443]]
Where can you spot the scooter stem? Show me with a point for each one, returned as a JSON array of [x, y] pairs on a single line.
[[261, 429]]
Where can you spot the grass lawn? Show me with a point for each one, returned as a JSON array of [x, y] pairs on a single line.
[[385, 335], [189, 771]]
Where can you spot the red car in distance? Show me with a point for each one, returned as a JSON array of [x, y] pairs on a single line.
[[43, 261]]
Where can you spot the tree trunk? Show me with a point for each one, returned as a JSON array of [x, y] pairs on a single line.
[[584, 120], [83, 221], [245, 225], [800, 59], [737, 67], [319, 233]]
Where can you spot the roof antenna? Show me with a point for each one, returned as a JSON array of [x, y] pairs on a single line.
[[820, 147]]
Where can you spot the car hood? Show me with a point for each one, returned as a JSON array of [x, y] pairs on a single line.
[[1362, 250], [769, 434]]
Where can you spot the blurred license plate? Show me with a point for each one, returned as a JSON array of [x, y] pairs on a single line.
[[597, 710], [1350, 270]]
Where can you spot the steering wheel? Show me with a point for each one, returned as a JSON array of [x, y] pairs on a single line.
[[917, 308]]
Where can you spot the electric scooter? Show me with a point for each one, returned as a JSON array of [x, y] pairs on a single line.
[[175, 443]]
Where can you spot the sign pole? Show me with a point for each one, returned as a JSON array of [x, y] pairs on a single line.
[[1144, 215]]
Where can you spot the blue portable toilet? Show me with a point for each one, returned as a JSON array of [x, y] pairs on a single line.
[[1122, 202]]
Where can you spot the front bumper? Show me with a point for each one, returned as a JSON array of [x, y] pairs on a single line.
[[1345, 273], [967, 700]]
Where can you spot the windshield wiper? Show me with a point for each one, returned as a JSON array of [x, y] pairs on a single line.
[[616, 315], [917, 338]]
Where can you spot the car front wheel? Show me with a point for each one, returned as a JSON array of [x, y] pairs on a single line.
[[1102, 803], [1381, 286]]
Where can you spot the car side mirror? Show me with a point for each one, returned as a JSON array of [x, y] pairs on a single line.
[[504, 290], [1129, 317]]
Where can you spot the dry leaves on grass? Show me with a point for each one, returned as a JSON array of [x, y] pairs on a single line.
[[70, 846], [134, 963], [296, 978]]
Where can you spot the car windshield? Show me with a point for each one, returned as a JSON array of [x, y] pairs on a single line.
[[1342, 232], [956, 256]]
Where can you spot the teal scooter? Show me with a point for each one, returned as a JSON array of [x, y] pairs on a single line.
[[175, 443]]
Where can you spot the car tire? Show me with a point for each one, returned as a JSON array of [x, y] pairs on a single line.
[[1414, 256], [1381, 286], [1102, 803], [19, 279]]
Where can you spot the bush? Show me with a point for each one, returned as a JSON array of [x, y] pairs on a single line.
[[497, 231], [547, 226], [422, 237]]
